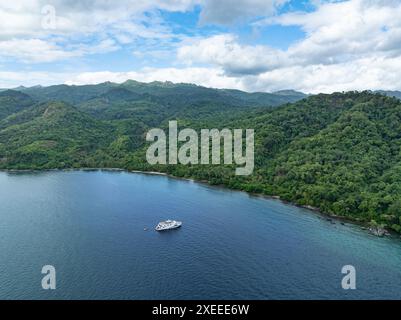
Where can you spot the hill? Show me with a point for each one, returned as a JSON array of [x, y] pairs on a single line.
[[340, 152], [50, 135], [12, 101]]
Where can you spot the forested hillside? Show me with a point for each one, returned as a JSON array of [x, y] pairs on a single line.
[[340, 152]]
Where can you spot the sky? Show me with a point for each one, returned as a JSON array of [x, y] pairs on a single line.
[[252, 45]]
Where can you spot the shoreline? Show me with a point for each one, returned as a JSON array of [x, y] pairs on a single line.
[[316, 211]]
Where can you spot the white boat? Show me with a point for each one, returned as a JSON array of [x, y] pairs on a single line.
[[168, 224]]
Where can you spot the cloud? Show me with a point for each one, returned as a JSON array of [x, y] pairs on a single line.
[[32, 50], [38, 51], [135, 23], [348, 45], [345, 30], [13, 79], [209, 77], [362, 74], [224, 51], [226, 12], [25, 18], [55, 27], [335, 32]]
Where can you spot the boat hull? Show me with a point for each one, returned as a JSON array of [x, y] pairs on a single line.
[[170, 227]]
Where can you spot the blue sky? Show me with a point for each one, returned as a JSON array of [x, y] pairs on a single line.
[[253, 45]]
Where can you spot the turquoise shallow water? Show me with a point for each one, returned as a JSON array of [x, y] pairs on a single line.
[[90, 226]]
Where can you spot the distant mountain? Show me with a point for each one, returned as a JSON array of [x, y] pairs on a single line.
[[395, 94], [290, 93], [151, 103], [61, 125], [161, 92], [68, 94], [12, 101]]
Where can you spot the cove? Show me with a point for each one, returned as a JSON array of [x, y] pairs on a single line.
[[90, 227]]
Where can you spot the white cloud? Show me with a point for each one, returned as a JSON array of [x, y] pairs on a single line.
[[229, 11], [362, 74], [224, 51], [356, 75], [366, 73], [32, 50], [336, 32], [346, 30], [36, 50], [13, 79], [124, 21], [209, 77], [349, 45], [24, 22], [25, 17]]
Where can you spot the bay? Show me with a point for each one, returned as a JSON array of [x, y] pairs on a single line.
[[91, 227]]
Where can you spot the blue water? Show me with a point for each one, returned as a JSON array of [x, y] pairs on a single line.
[[90, 227]]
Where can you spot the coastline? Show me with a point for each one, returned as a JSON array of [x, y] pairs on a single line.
[[329, 217]]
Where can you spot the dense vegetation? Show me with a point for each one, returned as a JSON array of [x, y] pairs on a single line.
[[340, 152]]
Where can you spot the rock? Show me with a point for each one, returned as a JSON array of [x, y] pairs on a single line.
[[379, 232]]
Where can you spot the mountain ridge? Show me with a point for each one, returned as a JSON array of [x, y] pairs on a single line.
[[338, 152], [74, 93]]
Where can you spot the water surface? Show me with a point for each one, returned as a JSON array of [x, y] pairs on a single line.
[[90, 227]]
